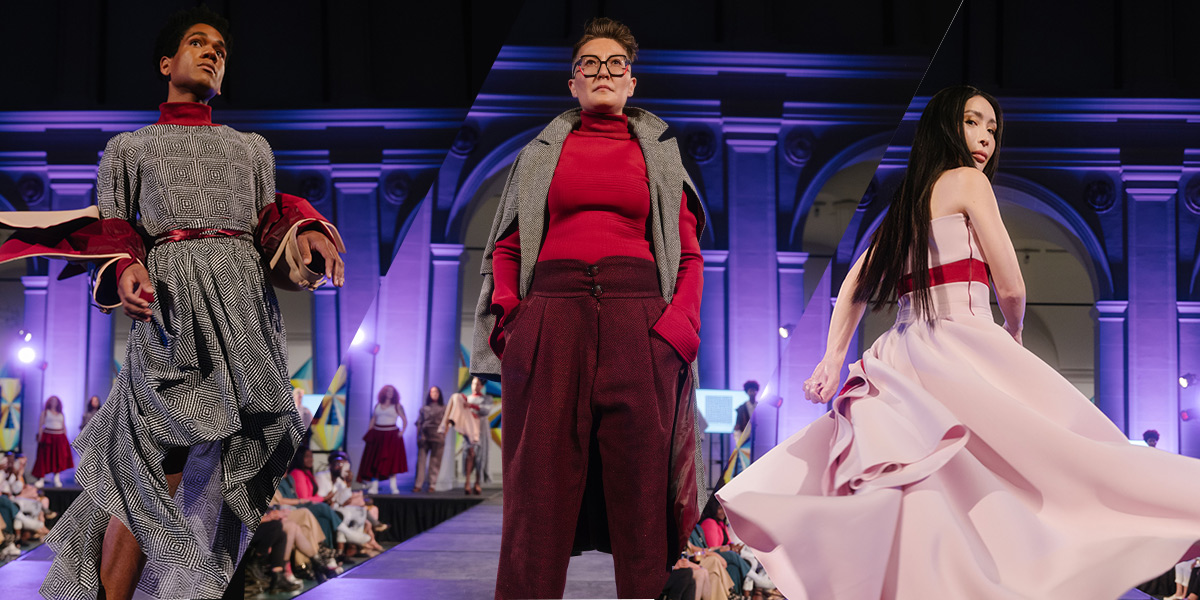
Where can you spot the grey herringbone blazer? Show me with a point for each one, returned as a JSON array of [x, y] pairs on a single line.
[[523, 203]]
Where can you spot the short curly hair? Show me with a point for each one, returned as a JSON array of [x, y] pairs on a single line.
[[171, 34], [606, 28]]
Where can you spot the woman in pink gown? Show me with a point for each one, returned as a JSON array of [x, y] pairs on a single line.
[[954, 463]]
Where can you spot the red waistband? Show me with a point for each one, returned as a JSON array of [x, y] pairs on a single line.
[[967, 269], [179, 235]]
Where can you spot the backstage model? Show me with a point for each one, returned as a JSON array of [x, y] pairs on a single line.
[[954, 463], [590, 312], [181, 461]]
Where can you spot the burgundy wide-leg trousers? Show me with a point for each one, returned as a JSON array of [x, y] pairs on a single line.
[[592, 399]]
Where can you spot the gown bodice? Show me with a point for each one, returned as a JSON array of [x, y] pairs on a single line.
[[958, 274]]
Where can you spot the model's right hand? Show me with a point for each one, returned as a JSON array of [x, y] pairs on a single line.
[[133, 289], [820, 387], [1014, 331]]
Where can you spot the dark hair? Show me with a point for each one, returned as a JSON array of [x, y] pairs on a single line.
[[441, 397], [750, 384], [383, 393], [298, 459], [57, 404], [606, 28], [98, 402], [938, 146], [1150, 434], [171, 34]]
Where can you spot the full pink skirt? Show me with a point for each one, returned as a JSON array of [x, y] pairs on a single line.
[[959, 465], [383, 456]]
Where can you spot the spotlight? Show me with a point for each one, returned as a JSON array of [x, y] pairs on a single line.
[[786, 330], [26, 354], [28, 336], [1187, 380]]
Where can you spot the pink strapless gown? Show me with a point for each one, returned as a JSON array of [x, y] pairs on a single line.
[[956, 464]]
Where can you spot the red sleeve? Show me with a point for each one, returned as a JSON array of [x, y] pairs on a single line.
[[679, 325], [506, 274], [712, 533]]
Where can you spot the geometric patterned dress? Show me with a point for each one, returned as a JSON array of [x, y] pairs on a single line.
[[208, 372]]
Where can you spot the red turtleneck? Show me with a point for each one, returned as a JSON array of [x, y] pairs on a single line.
[[184, 113], [599, 205]]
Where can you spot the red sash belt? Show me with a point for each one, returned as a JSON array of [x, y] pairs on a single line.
[[967, 269], [179, 235]]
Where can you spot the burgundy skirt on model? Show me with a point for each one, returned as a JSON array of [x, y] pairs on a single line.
[[384, 455], [53, 454]]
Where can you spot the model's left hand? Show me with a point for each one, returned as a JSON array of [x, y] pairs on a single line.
[[315, 241]]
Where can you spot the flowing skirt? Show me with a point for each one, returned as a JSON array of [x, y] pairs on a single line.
[[208, 373], [956, 464], [383, 456]]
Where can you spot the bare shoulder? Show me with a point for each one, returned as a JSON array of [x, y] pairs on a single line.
[[962, 189]]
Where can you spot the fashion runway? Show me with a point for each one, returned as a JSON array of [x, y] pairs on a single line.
[[456, 560]]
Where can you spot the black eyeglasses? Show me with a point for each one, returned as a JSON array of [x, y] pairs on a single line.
[[589, 65]]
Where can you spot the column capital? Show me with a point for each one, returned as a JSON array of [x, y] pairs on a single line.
[[35, 282], [791, 259], [1153, 183], [1189, 311], [715, 258], [356, 178], [446, 253], [1112, 309]]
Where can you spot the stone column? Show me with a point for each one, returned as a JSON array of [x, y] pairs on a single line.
[[795, 351], [1111, 351], [713, 358], [1189, 362], [32, 391], [1153, 339], [753, 286]]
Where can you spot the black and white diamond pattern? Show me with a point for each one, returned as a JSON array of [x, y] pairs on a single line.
[[209, 372]]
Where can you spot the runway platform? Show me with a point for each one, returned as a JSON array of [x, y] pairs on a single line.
[[454, 559]]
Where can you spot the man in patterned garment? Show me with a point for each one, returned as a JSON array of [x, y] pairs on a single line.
[[181, 461]]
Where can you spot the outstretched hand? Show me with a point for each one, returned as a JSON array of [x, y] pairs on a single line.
[[136, 292], [820, 387], [310, 241]]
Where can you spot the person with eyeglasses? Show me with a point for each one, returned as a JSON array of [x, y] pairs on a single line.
[[589, 315]]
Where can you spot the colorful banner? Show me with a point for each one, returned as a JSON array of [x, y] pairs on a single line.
[[10, 413], [302, 378], [329, 422]]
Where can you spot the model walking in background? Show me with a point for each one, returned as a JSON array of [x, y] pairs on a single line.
[[384, 455]]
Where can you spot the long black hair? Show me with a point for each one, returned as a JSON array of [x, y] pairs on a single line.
[[429, 396], [939, 145]]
